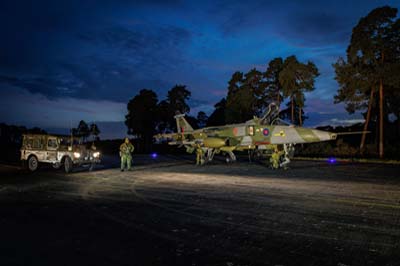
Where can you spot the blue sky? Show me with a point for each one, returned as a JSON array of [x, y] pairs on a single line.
[[61, 62]]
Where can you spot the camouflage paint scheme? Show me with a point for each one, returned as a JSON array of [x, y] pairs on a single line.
[[254, 135]]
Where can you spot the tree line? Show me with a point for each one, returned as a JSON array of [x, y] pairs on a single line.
[[85, 130], [148, 116], [368, 78], [248, 94], [11, 140]]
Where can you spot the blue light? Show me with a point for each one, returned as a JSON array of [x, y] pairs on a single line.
[[154, 155], [332, 160]]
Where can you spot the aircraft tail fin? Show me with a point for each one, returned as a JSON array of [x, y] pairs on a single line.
[[182, 125]]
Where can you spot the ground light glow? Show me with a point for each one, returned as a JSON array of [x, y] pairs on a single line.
[[332, 160], [154, 155]]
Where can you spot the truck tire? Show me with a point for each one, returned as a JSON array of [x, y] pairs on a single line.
[[68, 165], [33, 163]]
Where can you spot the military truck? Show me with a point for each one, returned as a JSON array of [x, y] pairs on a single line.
[[57, 150]]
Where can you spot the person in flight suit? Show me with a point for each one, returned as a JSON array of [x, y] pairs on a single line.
[[125, 151], [275, 157], [199, 154]]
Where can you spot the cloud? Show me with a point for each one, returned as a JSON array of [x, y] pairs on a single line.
[[344, 122], [322, 112], [332, 119], [322, 106], [124, 61], [61, 85], [313, 29], [33, 109], [145, 48], [310, 23], [106, 51], [59, 49]]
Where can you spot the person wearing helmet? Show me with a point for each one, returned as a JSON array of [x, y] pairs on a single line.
[[125, 151]]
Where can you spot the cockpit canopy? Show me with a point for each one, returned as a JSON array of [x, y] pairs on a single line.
[[271, 116]]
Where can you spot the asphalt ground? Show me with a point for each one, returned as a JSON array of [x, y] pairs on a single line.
[[167, 211]]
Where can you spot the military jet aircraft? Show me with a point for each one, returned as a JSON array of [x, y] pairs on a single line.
[[263, 135]]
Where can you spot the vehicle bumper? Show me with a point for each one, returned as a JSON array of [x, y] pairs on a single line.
[[82, 162]]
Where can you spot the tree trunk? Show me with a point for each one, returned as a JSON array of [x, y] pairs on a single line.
[[364, 135], [300, 119], [381, 152], [278, 100], [292, 105]]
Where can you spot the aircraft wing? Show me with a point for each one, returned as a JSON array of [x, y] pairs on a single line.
[[175, 138], [184, 142], [164, 136]]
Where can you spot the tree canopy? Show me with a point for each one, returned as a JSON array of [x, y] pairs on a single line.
[[250, 94], [141, 119], [297, 78], [94, 131], [177, 98], [147, 116], [274, 92], [217, 117], [202, 119], [372, 66]]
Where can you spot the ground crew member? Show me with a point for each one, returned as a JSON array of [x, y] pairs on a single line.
[[199, 154], [125, 151], [274, 160], [285, 161]]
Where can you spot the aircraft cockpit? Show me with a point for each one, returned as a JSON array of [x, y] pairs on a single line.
[[270, 115]]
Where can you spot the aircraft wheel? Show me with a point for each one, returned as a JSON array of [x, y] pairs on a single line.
[[228, 159]]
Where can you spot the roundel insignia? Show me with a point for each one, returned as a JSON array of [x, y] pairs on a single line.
[[235, 131], [265, 132]]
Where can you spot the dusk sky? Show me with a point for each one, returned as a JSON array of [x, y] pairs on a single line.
[[61, 62]]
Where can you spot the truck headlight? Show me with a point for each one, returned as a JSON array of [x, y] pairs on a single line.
[[77, 155], [96, 154]]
